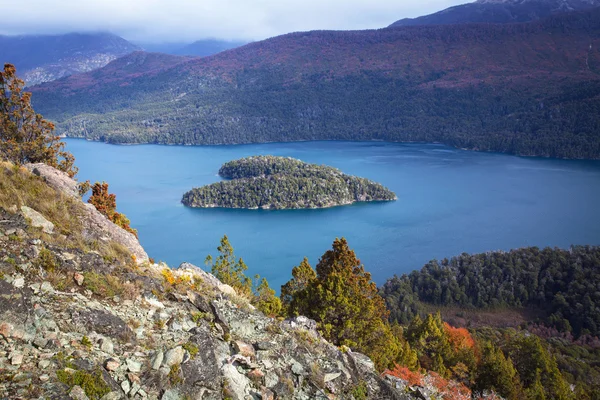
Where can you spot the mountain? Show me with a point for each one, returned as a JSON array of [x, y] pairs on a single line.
[[207, 47], [528, 89], [201, 48], [43, 58], [499, 12]]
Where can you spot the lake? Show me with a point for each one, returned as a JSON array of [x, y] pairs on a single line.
[[450, 201]]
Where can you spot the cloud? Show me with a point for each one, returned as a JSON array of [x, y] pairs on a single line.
[[189, 20]]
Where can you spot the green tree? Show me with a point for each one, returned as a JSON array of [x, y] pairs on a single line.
[[230, 270], [266, 300], [344, 301], [538, 368], [26, 137], [294, 294], [496, 372]]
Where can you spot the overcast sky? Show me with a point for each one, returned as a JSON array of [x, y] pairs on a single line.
[[189, 20]]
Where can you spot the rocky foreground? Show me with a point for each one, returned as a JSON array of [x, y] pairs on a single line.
[[84, 324]]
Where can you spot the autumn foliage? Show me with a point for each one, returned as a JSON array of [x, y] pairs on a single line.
[[26, 137], [106, 203]]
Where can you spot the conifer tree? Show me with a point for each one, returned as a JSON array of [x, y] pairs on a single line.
[[266, 300], [497, 372], [230, 270], [294, 294], [345, 302]]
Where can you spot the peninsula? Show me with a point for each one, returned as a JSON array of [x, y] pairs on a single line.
[[270, 182]]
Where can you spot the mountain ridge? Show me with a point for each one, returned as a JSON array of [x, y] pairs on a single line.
[[499, 12], [42, 58], [528, 89]]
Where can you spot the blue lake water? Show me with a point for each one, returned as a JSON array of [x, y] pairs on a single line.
[[449, 201]]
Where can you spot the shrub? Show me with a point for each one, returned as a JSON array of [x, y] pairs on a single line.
[[26, 137]]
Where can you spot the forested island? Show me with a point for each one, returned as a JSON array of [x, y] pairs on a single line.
[[270, 182]]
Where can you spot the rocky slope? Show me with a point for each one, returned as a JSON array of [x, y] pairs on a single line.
[[43, 58], [78, 323]]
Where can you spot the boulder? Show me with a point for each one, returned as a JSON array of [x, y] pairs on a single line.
[[37, 220]]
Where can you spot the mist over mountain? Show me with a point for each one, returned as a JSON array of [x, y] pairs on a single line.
[[200, 48], [499, 11], [41, 58]]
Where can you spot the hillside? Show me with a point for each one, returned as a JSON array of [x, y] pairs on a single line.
[[269, 182], [43, 58], [499, 12], [528, 89], [199, 48], [99, 324], [207, 47]]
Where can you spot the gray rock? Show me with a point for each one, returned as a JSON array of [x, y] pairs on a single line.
[[236, 382], [104, 323], [133, 366], [112, 396], [126, 386], [157, 360], [95, 225], [77, 393], [174, 356], [56, 179], [107, 346], [171, 394], [16, 358], [37, 220], [331, 376]]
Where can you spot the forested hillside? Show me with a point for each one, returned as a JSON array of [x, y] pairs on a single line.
[[562, 284], [528, 89]]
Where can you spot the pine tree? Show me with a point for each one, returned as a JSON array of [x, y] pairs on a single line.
[[497, 372], [26, 137], [266, 300], [230, 270], [345, 302], [294, 294]]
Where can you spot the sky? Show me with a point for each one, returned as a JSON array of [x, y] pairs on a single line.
[[159, 21]]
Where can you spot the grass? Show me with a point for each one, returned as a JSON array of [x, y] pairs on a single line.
[[92, 384], [19, 187]]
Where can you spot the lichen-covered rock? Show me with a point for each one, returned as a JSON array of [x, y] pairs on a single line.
[[37, 220], [105, 323], [95, 225], [144, 344]]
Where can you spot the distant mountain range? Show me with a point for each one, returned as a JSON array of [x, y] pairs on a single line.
[[529, 89], [45, 58], [201, 48], [499, 11]]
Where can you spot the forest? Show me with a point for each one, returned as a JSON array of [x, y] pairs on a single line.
[[270, 182], [561, 283], [527, 89]]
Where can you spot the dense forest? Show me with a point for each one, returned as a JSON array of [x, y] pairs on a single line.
[[561, 283], [270, 182], [527, 89]]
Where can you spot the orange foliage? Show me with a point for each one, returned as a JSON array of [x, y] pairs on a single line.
[[459, 338], [413, 378], [450, 390], [106, 203]]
